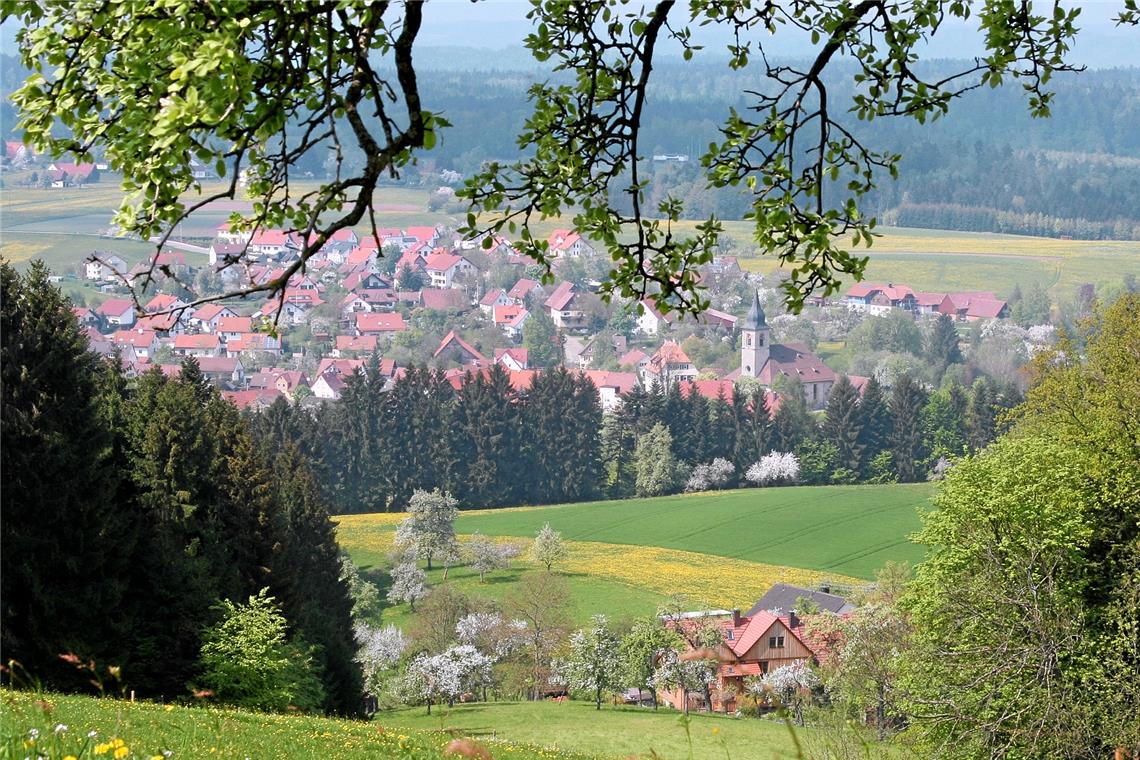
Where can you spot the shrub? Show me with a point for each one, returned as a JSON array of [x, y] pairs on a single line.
[[774, 469], [248, 661], [714, 475]]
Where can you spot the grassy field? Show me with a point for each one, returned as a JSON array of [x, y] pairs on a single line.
[[941, 260], [149, 730], [719, 549], [630, 732]]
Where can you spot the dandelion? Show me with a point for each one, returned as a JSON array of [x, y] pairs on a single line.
[[122, 752], [59, 728], [33, 733]]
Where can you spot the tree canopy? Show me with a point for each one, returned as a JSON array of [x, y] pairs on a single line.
[[250, 88]]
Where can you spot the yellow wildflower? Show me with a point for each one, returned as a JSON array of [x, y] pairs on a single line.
[[122, 752], [104, 748]]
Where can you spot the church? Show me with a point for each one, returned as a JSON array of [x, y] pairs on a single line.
[[766, 361]]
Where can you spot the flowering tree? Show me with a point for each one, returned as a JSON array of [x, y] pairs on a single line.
[[594, 663], [774, 469], [409, 583], [548, 547], [491, 633], [713, 475], [429, 529], [486, 555], [378, 651], [642, 647], [789, 685], [690, 675], [445, 677]]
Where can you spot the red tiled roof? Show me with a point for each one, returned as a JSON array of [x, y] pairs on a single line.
[[521, 288], [561, 240], [339, 366], [632, 358], [209, 311], [214, 364], [623, 382], [441, 262], [423, 234], [669, 353], [710, 389], [161, 302], [205, 340], [561, 296], [507, 315], [520, 355], [235, 324], [134, 337], [890, 290], [380, 322], [452, 339], [254, 397], [356, 342], [442, 298], [114, 307], [491, 296], [795, 361]]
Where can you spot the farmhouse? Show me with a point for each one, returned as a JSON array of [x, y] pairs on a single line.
[[880, 299], [668, 365], [564, 310], [568, 243]]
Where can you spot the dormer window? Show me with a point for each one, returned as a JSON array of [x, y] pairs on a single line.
[[728, 635]]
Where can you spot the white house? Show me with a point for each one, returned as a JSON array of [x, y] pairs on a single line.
[[442, 268], [568, 243], [106, 267]]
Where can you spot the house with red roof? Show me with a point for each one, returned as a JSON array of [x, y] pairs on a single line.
[[164, 324], [66, 174], [492, 298], [202, 345], [379, 323], [933, 303], [223, 370], [565, 308], [454, 349], [718, 320], [328, 386], [206, 317], [253, 343], [84, 316], [972, 306], [634, 358], [520, 290], [226, 235], [510, 319], [232, 328], [750, 647], [879, 299], [444, 268], [652, 320], [117, 312], [273, 244], [136, 344], [163, 302], [423, 234], [256, 399], [442, 299], [514, 359], [568, 243], [668, 364], [355, 345], [611, 386]]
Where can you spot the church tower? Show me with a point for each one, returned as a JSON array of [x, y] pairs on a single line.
[[755, 340]]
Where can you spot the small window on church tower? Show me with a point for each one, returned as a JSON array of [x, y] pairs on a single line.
[[748, 340], [761, 340]]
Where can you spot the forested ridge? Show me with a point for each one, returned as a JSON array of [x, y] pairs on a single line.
[[987, 166]]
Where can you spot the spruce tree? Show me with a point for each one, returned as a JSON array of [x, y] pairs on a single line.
[[942, 346], [618, 439], [485, 434], [792, 424], [306, 579], [843, 425], [908, 445], [875, 421], [980, 414], [541, 339], [66, 534]]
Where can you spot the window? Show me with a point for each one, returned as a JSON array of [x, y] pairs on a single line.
[[776, 642], [748, 339], [764, 667], [728, 634], [760, 338]]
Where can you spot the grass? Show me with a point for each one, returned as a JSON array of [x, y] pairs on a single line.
[[848, 530], [148, 730], [616, 731], [940, 260]]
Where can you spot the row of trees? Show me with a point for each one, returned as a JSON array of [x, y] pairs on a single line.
[[490, 445], [130, 510]]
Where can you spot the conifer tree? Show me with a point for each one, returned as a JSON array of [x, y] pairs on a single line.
[[980, 414], [843, 425], [617, 441], [541, 339], [792, 424], [306, 579], [66, 535], [874, 419], [908, 447], [942, 346], [721, 438], [483, 438]]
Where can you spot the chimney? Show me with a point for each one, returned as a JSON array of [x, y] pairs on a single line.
[[825, 589], [793, 621], [736, 618]]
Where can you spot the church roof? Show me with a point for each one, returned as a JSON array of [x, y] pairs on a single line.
[[755, 319]]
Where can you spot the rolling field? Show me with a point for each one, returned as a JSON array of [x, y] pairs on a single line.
[[719, 549]]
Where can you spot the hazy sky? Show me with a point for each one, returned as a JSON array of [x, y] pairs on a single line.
[[498, 24]]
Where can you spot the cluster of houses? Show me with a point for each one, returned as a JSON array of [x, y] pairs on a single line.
[[353, 304], [968, 306]]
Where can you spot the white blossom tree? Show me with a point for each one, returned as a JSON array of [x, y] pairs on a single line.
[[695, 675], [445, 677], [378, 651], [789, 686], [776, 468], [486, 555], [548, 547], [711, 475], [594, 662], [491, 633], [409, 583], [429, 529]]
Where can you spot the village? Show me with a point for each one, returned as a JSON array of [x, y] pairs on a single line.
[[374, 295]]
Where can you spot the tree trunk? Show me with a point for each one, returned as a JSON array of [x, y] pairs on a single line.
[[881, 714], [429, 561], [598, 699], [429, 707]]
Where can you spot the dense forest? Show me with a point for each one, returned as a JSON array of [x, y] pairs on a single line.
[[987, 166]]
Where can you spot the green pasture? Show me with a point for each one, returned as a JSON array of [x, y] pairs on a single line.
[[850, 530], [628, 732]]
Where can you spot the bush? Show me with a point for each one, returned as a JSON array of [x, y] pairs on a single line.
[[247, 660], [714, 475], [774, 469]]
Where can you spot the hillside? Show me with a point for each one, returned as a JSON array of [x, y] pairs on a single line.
[[148, 730], [723, 549]]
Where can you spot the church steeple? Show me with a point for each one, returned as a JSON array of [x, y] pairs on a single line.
[[755, 340]]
